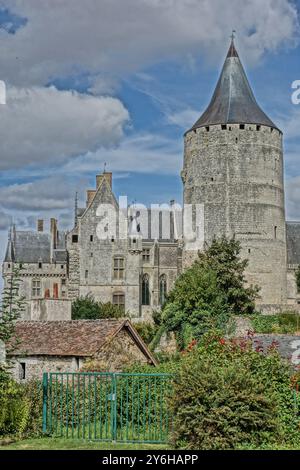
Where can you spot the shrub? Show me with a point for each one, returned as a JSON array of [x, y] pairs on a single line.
[[146, 330], [87, 308], [281, 323], [227, 396], [33, 391], [14, 406]]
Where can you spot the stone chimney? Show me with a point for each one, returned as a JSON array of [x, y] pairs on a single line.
[[53, 237], [90, 196], [40, 225], [107, 176]]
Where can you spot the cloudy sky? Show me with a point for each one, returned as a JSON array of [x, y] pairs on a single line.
[[119, 81]]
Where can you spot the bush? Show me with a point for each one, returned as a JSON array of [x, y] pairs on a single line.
[[33, 390], [228, 396], [147, 331], [87, 308], [14, 406], [282, 323]]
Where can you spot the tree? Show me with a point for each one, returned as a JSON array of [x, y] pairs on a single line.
[[87, 308], [223, 256], [208, 293], [11, 308]]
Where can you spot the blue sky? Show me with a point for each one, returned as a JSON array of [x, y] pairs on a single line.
[[120, 82]]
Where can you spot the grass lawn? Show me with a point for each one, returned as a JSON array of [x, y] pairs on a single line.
[[45, 443]]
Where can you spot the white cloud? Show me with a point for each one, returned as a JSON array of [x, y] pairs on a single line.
[[53, 193], [118, 37], [143, 153], [5, 220], [41, 125]]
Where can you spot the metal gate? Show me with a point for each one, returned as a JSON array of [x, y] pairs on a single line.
[[107, 406]]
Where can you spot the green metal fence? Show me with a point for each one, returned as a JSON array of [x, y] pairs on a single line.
[[107, 406]]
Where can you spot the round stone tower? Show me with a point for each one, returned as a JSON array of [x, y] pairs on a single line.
[[233, 165]]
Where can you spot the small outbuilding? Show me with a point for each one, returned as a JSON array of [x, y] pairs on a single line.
[[70, 346]]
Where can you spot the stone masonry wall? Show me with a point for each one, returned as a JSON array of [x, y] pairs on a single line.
[[238, 176]]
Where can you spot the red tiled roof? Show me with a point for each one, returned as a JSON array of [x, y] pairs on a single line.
[[70, 338]]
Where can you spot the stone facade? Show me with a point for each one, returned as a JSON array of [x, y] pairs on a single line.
[[237, 174], [233, 168], [73, 346]]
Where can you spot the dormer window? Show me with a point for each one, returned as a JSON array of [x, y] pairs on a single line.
[[40, 265]]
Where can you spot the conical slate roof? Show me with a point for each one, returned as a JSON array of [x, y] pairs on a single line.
[[233, 101]]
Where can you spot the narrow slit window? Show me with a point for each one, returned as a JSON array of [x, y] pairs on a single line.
[[22, 370]]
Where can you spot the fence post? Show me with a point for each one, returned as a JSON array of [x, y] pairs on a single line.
[[114, 408], [45, 397]]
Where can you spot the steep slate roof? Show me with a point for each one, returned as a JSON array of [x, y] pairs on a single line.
[[33, 247], [293, 242], [80, 338], [233, 101]]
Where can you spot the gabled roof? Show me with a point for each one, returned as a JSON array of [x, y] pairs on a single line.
[[233, 101], [103, 195], [80, 338], [33, 247]]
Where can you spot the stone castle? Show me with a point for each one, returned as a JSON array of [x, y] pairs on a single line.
[[233, 168]]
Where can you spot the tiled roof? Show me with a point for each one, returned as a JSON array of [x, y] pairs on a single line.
[[82, 338], [34, 247]]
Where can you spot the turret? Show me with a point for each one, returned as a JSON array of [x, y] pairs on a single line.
[[233, 166]]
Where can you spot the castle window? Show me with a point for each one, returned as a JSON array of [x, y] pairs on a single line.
[[242, 126], [258, 128], [61, 266], [119, 301], [8, 265], [112, 239], [86, 274], [20, 265], [249, 251], [74, 238], [119, 268], [207, 129], [162, 289], [91, 238], [22, 370], [55, 290], [275, 232], [36, 288], [63, 282], [40, 265], [146, 255], [211, 179], [224, 127], [145, 290]]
